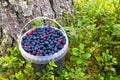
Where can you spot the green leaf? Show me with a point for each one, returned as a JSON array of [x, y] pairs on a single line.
[[34, 26], [52, 63], [37, 23], [81, 46], [99, 59], [74, 58], [52, 77], [86, 56], [114, 61], [19, 76], [80, 61], [75, 51]]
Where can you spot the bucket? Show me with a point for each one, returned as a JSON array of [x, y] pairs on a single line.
[[43, 59]]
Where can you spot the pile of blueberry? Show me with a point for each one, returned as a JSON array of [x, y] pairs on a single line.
[[43, 41]]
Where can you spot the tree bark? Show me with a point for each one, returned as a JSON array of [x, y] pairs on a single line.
[[15, 13]]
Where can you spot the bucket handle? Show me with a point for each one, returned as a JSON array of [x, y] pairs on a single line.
[[42, 18]]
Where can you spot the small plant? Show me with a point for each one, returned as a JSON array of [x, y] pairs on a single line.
[[37, 23], [79, 56], [94, 46], [49, 74], [107, 61], [14, 66]]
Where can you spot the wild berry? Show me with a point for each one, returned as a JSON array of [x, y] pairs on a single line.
[[37, 52], [33, 30], [60, 40], [28, 33], [44, 36], [51, 31], [43, 41], [25, 46]]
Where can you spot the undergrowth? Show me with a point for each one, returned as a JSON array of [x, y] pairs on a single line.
[[94, 52]]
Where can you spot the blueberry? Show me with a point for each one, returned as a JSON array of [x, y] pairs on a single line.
[[41, 54], [51, 42], [52, 45], [44, 48], [34, 37], [37, 42], [56, 49], [55, 42], [25, 41], [37, 29], [52, 37], [31, 37], [46, 54], [40, 33], [48, 51], [52, 52], [22, 43], [41, 51], [34, 52], [35, 48], [28, 50], [45, 40], [64, 41], [35, 33], [41, 46], [25, 37], [46, 43], [33, 43], [59, 46]]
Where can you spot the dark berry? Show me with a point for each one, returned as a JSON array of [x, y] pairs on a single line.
[[56, 49], [59, 46], [43, 41], [34, 52], [35, 48], [64, 41], [46, 43]]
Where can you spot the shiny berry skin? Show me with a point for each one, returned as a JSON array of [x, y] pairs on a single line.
[[37, 52], [25, 46], [44, 36], [60, 40], [51, 31], [28, 34], [43, 41], [33, 30]]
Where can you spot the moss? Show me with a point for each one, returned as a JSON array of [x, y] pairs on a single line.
[[5, 44]]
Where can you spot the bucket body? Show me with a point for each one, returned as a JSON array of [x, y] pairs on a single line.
[[44, 59]]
